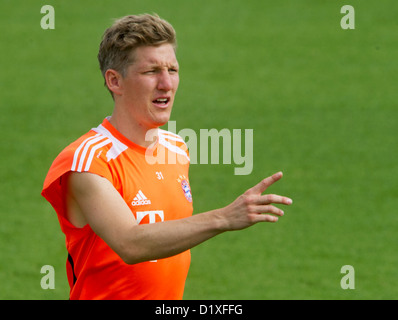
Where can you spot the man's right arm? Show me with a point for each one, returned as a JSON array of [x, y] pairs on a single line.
[[93, 199]]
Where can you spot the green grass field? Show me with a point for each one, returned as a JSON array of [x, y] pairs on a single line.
[[322, 102]]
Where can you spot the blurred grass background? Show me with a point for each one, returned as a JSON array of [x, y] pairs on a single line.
[[322, 102]]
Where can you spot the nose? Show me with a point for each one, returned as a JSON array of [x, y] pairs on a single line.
[[165, 82]]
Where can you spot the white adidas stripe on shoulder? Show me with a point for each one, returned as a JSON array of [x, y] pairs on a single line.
[[171, 135], [80, 157], [84, 154], [117, 147], [166, 136]]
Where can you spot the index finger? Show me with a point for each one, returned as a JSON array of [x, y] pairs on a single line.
[[265, 183]]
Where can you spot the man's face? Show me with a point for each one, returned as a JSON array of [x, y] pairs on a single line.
[[150, 85]]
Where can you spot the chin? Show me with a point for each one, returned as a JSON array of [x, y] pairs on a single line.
[[156, 123], [160, 124], [161, 121]]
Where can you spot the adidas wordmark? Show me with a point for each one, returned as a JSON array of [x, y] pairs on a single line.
[[140, 199]]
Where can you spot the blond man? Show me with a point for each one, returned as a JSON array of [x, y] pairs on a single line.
[[128, 223]]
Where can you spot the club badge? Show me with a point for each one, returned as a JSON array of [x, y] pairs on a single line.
[[185, 187]]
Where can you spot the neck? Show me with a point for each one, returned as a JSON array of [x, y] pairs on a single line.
[[132, 130]]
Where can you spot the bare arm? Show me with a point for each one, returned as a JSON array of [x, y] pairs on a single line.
[[93, 200]]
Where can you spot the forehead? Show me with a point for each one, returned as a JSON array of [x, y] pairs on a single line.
[[163, 55]]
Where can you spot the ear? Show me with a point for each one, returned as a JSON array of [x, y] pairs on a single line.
[[113, 81]]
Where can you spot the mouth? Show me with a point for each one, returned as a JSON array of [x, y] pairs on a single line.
[[162, 102]]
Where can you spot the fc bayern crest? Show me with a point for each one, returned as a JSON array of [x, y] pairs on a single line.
[[185, 187]]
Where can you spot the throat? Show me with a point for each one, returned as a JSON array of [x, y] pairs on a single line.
[[135, 132]]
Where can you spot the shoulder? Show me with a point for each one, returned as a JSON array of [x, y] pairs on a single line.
[[97, 146], [79, 154], [91, 152], [174, 143], [171, 138]]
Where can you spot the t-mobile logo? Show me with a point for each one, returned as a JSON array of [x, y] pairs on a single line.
[[151, 215]]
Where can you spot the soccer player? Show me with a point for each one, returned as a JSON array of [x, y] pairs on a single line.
[[125, 207]]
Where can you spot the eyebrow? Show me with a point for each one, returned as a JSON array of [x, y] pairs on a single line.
[[158, 66], [161, 64]]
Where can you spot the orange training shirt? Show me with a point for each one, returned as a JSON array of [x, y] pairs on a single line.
[[154, 184]]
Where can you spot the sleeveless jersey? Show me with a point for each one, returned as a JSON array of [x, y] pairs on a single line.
[[154, 184]]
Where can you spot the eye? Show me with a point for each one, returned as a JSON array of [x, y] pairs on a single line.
[[173, 70]]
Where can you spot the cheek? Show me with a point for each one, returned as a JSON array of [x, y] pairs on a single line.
[[176, 81], [139, 90]]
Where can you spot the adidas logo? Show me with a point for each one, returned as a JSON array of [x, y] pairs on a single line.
[[140, 199]]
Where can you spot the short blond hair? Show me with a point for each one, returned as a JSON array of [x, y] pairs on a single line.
[[119, 42]]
